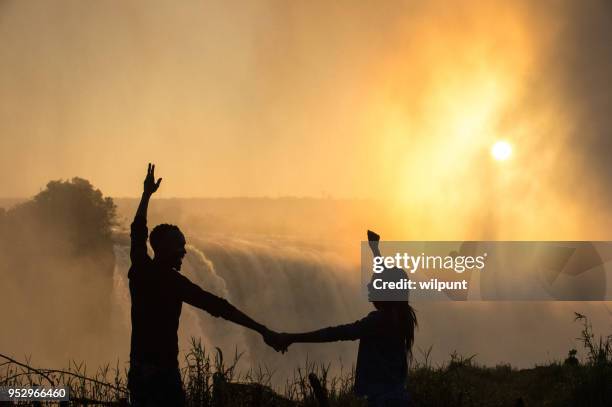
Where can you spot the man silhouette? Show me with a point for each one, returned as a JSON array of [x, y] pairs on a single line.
[[158, 290]]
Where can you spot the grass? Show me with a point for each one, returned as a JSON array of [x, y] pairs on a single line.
[[211, 380]]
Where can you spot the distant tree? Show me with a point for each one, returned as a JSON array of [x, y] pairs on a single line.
[[56, 254], [73, 212]]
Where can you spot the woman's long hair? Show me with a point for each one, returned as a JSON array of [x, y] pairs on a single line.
[[403, 319]]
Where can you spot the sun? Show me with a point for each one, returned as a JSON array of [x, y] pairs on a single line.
[[501, 150]]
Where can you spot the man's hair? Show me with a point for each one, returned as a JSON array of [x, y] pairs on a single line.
[[163, 234]]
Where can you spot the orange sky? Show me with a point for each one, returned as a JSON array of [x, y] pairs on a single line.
[[275, 98]]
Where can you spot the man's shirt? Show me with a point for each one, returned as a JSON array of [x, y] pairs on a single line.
[[157, 298]]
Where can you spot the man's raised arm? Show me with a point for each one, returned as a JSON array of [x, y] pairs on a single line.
[[139, 232]]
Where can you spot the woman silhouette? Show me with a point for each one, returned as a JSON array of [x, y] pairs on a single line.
[[385, 339]]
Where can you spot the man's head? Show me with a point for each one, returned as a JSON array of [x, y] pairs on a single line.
[[168, 243]]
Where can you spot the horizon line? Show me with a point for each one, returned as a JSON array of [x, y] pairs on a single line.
[[305, 197]]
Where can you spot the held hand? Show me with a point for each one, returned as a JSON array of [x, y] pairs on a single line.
[[284, 340], [150, 186], [277, 341]]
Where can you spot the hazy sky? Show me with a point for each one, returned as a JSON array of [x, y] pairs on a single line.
[[271, 98], [400, 100]]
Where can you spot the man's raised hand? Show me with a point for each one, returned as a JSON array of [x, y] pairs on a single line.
[[150, 185]]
